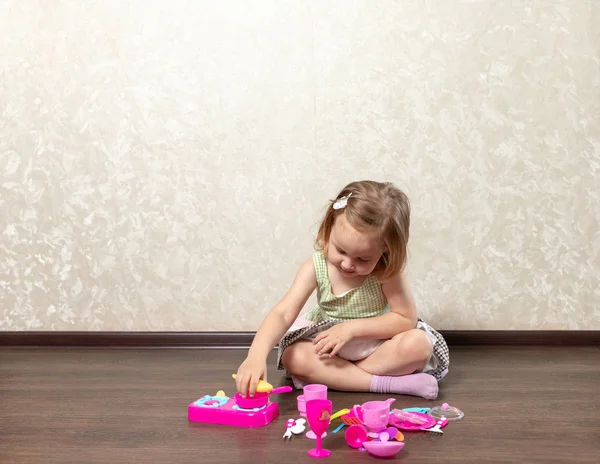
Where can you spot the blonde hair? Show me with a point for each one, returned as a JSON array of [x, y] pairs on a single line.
[[377, 208]]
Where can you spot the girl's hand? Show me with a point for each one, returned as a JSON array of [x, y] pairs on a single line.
[[250, 372], [332, 340]]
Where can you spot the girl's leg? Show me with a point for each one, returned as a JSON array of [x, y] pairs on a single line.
[[406, 353], [300, 360]]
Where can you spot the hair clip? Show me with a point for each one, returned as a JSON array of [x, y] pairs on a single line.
[[342, 202]]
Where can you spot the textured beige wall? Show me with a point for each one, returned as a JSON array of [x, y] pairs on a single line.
[[163, 164]]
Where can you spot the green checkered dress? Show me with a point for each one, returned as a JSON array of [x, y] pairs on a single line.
[[367, 300]]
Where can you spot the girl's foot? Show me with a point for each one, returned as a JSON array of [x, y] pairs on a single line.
[[423, 385]]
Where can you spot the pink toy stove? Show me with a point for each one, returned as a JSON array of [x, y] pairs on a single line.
[[224, 410]]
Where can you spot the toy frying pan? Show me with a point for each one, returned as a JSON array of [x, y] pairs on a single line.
[[260, 398]]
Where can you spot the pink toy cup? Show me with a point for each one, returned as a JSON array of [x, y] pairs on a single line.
[[314, 391], [356, 435], [302, 405], [374, 414]]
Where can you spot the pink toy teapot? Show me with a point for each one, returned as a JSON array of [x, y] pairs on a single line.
[[374, 414]]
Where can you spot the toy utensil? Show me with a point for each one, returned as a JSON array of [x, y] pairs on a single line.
[[348, 419], [437, 428], [421, 410], [298, 426], [262, 387], [351, 421], [339, 427], [392, 434], [284, 389], [288, 429], [409, 417], [340, 413]]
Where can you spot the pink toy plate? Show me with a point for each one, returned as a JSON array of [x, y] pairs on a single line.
[[409, 426], [224, 410]]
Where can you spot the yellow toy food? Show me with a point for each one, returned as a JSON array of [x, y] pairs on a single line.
[[263, 387]]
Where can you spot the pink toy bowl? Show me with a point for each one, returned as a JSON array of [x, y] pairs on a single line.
[[302, 405], [383, 449], [260, 399], [356, 436]]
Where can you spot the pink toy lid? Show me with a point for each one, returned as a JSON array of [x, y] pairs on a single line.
[[445, 411]]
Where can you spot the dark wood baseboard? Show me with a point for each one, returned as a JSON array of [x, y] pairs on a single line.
[[212, 340], [128, 339]]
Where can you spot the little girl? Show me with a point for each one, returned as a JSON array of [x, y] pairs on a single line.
[[364, 333]]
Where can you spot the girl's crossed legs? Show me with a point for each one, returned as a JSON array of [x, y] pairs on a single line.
[[386, 370]]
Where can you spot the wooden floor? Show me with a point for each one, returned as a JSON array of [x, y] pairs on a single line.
[[521, 405]]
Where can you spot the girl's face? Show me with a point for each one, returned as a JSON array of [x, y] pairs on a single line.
[[352, 252]]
